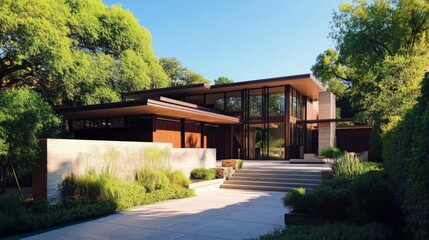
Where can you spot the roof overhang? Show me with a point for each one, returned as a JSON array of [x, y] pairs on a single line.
[[162, 107], [307, 84]]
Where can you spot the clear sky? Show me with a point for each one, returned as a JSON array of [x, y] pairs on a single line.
[[239, 39]]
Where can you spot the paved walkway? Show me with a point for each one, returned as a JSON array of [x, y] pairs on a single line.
[[216, 214]]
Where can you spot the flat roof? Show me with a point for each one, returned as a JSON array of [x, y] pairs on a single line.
[[307, 84], [162, 107]]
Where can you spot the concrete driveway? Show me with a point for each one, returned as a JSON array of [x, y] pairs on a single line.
[[215, 214]]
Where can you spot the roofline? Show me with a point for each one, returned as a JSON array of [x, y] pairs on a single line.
[[274, 79], [100, 106], [208, 86], [198, 85]]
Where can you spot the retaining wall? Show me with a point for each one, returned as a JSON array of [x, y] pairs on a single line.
[[60, 157]]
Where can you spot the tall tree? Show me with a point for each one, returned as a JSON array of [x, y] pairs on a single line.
[[24, 118], [75, 51], [223, 80], [380, 57], [180, 75]]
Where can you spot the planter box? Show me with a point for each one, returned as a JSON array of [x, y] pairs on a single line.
[[234, 163], [306, 219], [206, 185], [224, 172]]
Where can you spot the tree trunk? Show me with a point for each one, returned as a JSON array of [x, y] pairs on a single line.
[[3, 179]]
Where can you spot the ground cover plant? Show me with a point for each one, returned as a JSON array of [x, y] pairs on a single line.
[[203, 174], [331, 152]]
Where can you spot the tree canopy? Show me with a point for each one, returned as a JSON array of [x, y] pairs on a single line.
[[223, 80], [24, 118], [180, 75], [75, 51], [380, 56]]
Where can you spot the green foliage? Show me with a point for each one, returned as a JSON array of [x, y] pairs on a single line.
[[380, 56], [223, 80], [202, 173], [372, 231], [331, 152], [297, 200], [348, 165], [18, 216], [376, 147], [373, 201], [152, 180], [24, 118], [330, 199], [405, 154], [75, 51], [239, 163], [180, 75], [372, 166]]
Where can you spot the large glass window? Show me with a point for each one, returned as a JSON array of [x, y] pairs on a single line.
[[233, 101], [276, 138], [276, 102], [255, 103], [215, 101]]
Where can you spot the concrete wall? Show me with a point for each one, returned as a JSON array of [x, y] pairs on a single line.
[[327, 110], [60, 157]]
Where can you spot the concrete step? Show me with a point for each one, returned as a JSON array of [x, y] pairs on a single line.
[[282, 172], [271, 184], [276, 175], [261, 188], [282, 179]]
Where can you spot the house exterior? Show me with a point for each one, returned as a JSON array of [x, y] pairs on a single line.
[[260, 119]]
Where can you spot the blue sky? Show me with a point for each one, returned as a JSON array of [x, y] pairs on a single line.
[[239, 39]]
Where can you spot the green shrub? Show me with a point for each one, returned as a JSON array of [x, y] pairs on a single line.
[[373, 201], [406, 154], [202, 173], [331, 152], [330, 199], [347, 165], [239, 163], [297, 200], [153, 180], [178, 178], [370, 231], [371, 166]]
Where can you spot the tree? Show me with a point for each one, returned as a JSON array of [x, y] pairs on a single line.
[[223, 80], [75, 51], [24, 118], [180, 75], [380, 57]]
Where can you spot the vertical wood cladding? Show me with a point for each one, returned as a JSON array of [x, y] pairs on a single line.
[[167, 131]]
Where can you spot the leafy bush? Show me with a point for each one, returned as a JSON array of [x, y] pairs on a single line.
[[372, 231], [153, 180], [178, 178], [24, 216], [239, 163], [371, 166], [331, 152], [330, 199], [202, 173], [347, 165], [297, 200], [405, 154], [373, 201]]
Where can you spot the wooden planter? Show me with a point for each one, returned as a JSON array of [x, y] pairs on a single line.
[[234, 163], [306, 219]]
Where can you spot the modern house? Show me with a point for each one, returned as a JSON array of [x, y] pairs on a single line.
[[271, 118]]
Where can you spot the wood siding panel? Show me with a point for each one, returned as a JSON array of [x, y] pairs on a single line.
[[168, 132]]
